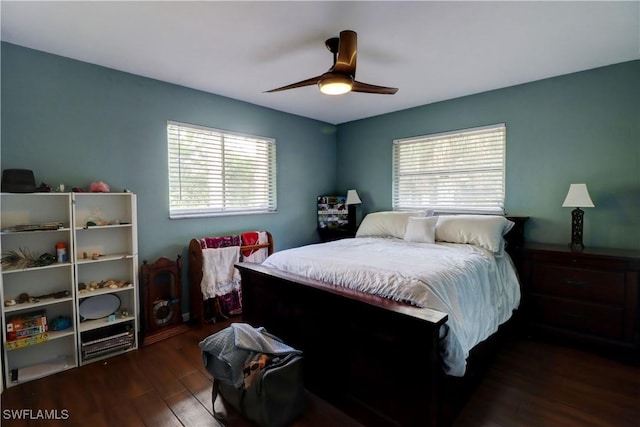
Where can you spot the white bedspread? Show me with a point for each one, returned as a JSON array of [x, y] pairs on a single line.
[[476, 289]]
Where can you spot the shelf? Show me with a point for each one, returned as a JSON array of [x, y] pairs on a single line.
[[102, 227], [14, 233], [103, 258], [97, 292], [30, 305], [51, 335], [54, 335], [21, 270], [90, 325], [39, 370]]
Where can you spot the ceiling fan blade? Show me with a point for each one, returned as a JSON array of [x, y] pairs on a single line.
[[308, 82], [367, 88], [347, 53], [341, 75]]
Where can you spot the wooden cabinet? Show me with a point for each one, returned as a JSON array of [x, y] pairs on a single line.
[[33, 226], [590, 296], [161, 294]]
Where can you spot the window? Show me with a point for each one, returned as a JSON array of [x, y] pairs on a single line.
[[214, 172], [460, 171]]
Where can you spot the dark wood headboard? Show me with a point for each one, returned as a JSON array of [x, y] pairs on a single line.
[[515, 241]]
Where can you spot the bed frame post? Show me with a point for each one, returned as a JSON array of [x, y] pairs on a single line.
[[195, 277]]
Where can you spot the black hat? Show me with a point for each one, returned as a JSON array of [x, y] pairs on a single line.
[[18, 181]]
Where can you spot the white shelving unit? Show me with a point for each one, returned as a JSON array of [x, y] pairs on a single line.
[[59, 288], [59, 351], [106, 248]]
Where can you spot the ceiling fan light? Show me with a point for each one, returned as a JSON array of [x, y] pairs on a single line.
[[335, 84]]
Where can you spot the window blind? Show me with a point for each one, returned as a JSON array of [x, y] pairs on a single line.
[[460, 171], [214, 172]]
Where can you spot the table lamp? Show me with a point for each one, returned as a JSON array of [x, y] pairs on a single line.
[[577, 197], [352, 200]]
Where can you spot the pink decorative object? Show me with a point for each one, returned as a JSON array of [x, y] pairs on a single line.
[[98, 187]]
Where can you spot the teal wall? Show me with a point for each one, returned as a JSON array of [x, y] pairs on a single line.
[[582, 127], [74, 123]]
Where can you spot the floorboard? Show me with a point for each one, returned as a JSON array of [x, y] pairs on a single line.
[[530, 384], [533, 383]]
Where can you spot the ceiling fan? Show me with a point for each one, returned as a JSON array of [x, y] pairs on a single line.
[[341, 76]]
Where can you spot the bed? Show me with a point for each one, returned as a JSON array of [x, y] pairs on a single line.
[[399, 352]]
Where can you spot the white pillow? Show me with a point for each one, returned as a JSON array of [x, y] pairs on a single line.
[[486, 231], [386, 224], [421, 229]]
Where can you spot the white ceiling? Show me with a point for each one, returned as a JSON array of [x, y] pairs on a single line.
[[431, 51]]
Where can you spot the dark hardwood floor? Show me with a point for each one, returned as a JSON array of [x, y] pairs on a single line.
[[165, 384], [533, 383]]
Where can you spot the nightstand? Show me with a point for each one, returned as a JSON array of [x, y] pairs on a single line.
[[329, 234], [589, 296]]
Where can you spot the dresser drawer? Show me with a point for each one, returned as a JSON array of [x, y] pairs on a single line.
[[589, 318], [580, 260], [605, 287]]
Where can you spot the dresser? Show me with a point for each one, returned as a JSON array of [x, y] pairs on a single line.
[[589, 296]]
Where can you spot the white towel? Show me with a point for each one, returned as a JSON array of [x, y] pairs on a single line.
[[219, 275]]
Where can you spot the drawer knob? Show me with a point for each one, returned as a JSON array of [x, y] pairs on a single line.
[[573, 315], [577, 282]]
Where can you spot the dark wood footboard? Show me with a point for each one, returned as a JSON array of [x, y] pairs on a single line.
[[376, 358]]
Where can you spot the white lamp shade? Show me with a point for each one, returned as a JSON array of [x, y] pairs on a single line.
[[578, 197], [353, 198]]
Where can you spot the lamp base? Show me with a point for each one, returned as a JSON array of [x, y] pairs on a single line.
[[351, 217], [577, 221], [576, 247]]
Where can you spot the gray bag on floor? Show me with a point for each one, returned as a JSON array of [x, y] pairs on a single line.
[[256, 373]]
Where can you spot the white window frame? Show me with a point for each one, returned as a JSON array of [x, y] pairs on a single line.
[[458, 171], [201, 162]]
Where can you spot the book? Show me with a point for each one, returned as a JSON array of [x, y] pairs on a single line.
[[26, 324], [27, 341]]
